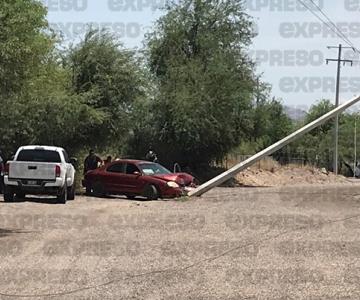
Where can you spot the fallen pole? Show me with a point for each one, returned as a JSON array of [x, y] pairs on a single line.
[[216, 181]]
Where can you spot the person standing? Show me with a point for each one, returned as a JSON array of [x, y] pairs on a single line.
[[151, 155], [108, 160], [92, 161]]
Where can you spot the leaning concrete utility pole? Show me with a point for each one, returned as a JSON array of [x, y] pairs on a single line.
[[271, 149], [336, 129]]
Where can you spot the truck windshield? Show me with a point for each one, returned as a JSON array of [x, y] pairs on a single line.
[[39, 156]]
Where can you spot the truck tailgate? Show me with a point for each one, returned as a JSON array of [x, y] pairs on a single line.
[[32, 170]]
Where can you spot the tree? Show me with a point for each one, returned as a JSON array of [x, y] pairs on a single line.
[[24, 46], [37, 104], [205, 80], [270, 121], [109, 78], [316, 111], [317, 145], [46, 112], [24, 42]]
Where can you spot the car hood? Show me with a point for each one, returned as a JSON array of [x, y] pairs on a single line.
[[179, 178]]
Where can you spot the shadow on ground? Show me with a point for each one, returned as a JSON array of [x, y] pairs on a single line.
[[124, 198], [33, 200], [8, 232]]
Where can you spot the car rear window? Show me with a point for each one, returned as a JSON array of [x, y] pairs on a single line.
[[39, 156]]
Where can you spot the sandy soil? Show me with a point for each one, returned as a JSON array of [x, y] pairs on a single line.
[[287, 175], [299, 242]]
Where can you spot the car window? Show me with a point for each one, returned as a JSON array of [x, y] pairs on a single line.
[[131, 168], [38, 155], [116, 168]]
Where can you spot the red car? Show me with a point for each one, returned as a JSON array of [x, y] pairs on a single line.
[[137, 178]]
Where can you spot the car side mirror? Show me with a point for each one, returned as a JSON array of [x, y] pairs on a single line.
[[137, 173]]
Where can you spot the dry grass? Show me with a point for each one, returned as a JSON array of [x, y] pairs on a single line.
[[300, 166], [268, 164]]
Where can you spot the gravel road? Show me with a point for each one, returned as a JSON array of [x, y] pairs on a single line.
[[298, 242]]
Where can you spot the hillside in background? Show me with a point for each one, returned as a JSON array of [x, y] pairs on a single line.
[[295, 113]]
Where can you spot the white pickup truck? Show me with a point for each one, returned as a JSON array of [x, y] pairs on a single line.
[[39, 170]]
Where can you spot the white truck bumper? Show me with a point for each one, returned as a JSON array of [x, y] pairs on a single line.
[[59, 182]]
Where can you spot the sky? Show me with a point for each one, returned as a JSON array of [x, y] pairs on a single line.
[[290, 48]]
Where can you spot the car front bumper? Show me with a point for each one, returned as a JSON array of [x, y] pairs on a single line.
[[177, 192]]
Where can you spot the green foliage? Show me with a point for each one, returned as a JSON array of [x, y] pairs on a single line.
[[109, 79], [24, 43], [346, 137], [192, 99], [317, 110], [37, 103], [270, 122], [46, 113], [317, 146], [205, 81]]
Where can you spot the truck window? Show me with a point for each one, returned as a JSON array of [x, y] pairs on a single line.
[[66, 156], [39, 156]]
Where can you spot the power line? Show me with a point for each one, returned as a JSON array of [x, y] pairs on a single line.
[[346, 40], [334, 25], [342, 36], [331, 22], [319, 18]]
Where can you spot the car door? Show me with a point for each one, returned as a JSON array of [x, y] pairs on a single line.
[[133, 182], [114, 178]]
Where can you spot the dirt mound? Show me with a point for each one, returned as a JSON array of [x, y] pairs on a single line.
[[272, 174]]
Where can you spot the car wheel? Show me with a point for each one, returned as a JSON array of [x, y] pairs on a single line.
[[71, 192], [88, 191], [151, 192], [62, 197], [99, 190], [8, 195], [196, 181]]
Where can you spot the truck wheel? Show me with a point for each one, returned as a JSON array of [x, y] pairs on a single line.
[[20, 196], [71, 192], [8, 194], [151, 192], [62, 197]]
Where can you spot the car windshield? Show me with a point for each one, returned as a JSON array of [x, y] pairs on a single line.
[[39, 156], [153, 168]]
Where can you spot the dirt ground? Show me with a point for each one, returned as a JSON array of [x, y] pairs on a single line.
[[300, 242], [269, 173]]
